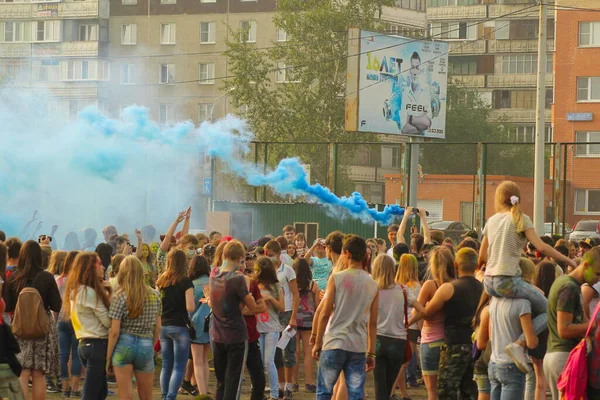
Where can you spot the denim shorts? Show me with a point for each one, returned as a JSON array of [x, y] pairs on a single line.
[[483, 383], [430, 357], [134, 350]]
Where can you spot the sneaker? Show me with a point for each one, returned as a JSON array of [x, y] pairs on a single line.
[[295, 387], [287, 394], [310, 388], [76, 394], [280, 393], [111, 380], [111, 393], [189, 389], [66, 394], [51, 388], [517, 354]]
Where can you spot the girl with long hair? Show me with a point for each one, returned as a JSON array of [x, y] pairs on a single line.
[[147, 258], [268, 322], [300, 242], [86, 303], [391, 329], [408, 276], [38, 356], [105, 252], [481, 328], [545, 274], [67, 341], [199, 273], [135, 325], [441, 266], [505, 235], [115, 264], [218, 257], [57, 262], [308, 291], [177, 295]]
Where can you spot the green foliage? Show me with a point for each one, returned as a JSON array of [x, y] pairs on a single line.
[[310, 105]]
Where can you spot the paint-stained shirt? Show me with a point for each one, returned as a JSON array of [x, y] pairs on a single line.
[[89, 315], [227, 292], [347, 327], [565, 296], [321, 268], [145, 323]]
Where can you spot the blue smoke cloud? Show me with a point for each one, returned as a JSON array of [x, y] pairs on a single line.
[[129, 171]]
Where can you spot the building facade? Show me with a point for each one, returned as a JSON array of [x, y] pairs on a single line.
[[57, 47], [576, 117], [493, 48]]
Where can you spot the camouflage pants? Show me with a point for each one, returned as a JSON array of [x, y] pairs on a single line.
[[455, 376]]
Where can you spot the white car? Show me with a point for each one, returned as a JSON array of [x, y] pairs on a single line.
[[586, 229]]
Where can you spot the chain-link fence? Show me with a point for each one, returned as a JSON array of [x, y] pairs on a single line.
[[455, 182]]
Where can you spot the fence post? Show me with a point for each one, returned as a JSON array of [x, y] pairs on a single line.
[[403, 154], [557, 184], [564, 184], [265, 164], [480, 187], [333, 158], [256, 163]]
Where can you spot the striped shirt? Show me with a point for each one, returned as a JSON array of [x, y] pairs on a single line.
[[505, 244]]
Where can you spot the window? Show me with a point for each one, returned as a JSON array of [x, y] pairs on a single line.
[[206, 74], [46, 70], [587, 150], [207, 32], [520, 64], [589, 34], [165, 113], [587, 201], [526, 134], [167, 33], [281, 35], [416, 5], [82, 70], [588, 89], [243, 110], [396, 156], [16, 69], [88, 32], [14, 31], [168, 1], [129, 34], [129, 2], [462, 66], [46, 31], [205, 112], [310, 230], [127, 74], [167, 74], [248, 31], [285, 74], [514, 99], [208, 1]]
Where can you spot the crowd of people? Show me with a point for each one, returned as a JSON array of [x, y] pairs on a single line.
[[494, 316]]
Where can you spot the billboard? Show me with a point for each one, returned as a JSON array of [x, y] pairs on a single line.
[[396, 85]]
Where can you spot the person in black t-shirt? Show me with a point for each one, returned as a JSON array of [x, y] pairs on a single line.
[[458, 300]]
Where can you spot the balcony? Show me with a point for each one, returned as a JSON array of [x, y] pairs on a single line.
[[369, 174], [456, 13], [516, 115], [517, 46], [69, 9], [14, 50], [517, 81], [470, 81], [65, 49], [515, 11], [87, 90], [404, 17], [467, 47]]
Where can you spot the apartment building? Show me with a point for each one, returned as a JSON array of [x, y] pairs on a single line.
[[56, 47], [576, 117], [493, 48]]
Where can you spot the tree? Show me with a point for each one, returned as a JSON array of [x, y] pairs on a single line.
[[468, 121], [294, 91]]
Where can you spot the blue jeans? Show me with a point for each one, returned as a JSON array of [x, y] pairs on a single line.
[[507, 381], [514, 287], [332, 363], [268, 344], [93, 358], [134, 350], [175, 348], [67, 345]]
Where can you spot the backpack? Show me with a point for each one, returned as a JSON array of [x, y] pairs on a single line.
[[31, 320], [573, 381]]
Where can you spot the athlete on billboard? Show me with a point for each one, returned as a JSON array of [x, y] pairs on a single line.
[[416, 101]]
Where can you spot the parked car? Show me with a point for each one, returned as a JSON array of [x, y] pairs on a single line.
[[586, 229], [548, 230], [452, 229]]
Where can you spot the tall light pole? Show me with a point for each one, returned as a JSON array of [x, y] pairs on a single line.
[[540, 126]]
